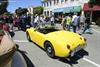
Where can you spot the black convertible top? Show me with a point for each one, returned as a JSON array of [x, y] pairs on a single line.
[[46, 28]]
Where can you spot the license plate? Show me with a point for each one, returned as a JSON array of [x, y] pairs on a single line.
[[76, 50]]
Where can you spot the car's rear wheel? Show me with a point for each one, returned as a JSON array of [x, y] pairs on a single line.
[[49, 49], [28, 37]]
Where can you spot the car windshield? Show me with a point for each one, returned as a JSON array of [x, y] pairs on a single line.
[[46, 28]]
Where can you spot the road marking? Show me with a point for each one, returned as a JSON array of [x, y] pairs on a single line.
[[97, 65], [20, 41], [96, 31]]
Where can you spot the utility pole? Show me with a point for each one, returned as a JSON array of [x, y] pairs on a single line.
[[91, 3]]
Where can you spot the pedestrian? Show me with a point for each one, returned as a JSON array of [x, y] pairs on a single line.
[[42, 19], [68, 22], [36, 20], [82, 21], [52, 20], [75, 22], [63, 23], [10, 21], [23, 22], [87, 25]]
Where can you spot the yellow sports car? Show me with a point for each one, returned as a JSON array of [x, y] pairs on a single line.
[[56, 42]]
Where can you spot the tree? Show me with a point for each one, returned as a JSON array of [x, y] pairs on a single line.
[[38, 10], [20, 11], [3, 6], [44, 0], [92, 2]]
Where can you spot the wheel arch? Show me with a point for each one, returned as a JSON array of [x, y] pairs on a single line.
[[28, 34], [51, 46], [45, 42]]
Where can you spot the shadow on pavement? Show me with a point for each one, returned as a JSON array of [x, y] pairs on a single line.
[[28, 61], [90, 33], [75, 58]]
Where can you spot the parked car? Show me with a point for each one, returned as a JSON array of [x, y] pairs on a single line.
[[54, 41]]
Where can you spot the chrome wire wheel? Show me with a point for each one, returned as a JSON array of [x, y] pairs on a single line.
[[49, 49]]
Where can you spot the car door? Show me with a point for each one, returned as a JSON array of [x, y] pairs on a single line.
[[38, 37]]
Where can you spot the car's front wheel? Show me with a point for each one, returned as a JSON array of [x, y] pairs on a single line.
[[28, 37], [49, 49]]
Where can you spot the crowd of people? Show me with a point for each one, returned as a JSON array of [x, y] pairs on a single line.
[[76, 22], [69, 22]]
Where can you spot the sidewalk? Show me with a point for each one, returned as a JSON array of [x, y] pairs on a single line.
[[95, 28]]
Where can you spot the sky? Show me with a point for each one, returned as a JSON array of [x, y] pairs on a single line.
[[14, 4]]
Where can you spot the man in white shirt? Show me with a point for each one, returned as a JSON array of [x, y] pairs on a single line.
[[36, 20], [74, 16]]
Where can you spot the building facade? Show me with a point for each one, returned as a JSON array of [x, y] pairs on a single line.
[[30, 10], [62, 6]]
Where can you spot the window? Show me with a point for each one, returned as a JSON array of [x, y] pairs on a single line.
[[47, 4], [62, 1], [72, 0], [50, 12], [50, 3], [47, 13], [57, 1], [44, 12], [54, 2], [65, 0], [43, 4]]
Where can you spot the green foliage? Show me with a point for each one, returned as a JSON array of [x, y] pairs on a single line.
[[20, 11], [38, 10], [3, 6], [45, 0], [92, 1]]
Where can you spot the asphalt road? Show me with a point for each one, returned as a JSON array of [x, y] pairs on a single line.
[[90, 57]]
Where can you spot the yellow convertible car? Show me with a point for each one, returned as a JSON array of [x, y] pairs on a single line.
[[56, 42]]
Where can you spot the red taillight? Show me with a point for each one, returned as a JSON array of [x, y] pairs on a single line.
[[68, 46]]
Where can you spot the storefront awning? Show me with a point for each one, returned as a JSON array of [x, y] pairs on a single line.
[[76, 9], [87, 8], [72, 9], [68, 9], [58, 10]]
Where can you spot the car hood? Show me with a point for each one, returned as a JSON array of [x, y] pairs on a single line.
[[64, 37]]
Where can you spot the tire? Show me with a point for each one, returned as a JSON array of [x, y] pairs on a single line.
[[49, 49], [28, 37]]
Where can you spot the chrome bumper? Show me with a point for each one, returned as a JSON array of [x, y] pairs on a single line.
[[78, 48]]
